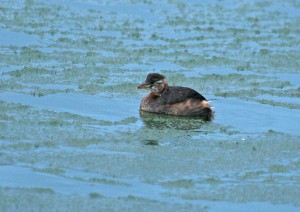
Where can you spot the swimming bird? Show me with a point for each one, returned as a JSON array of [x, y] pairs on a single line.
[[173, 100]]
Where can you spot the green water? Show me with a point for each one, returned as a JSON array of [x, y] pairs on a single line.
[[72, 137]]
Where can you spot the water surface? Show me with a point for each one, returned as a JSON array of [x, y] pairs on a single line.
[[70, 127]]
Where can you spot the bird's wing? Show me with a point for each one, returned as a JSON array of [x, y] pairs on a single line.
[[176, 94]]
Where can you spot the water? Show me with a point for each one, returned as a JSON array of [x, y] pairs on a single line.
[[70, 127]]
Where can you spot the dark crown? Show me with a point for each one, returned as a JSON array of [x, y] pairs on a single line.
[[154, 77]]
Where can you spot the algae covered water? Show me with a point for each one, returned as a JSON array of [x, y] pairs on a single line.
[[71, 134]]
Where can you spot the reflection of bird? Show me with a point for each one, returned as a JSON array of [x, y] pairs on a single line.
[[167, 122], [173, 100]]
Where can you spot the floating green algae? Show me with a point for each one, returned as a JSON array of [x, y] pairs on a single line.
[[70, 127]]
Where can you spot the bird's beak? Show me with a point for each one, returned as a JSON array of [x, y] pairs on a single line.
[[143, 86]]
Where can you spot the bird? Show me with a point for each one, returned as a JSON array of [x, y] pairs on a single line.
[[173, 100]]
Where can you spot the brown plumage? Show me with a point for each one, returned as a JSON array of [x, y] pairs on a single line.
[[173, 100]]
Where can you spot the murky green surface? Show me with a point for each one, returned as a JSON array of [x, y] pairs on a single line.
[[72, 138]]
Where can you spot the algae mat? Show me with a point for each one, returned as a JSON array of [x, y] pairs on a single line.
[[72, 137]]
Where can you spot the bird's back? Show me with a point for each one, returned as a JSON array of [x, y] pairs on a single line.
[[176, 94]]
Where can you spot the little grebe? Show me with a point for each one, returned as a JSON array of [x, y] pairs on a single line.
[[173, 100]]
